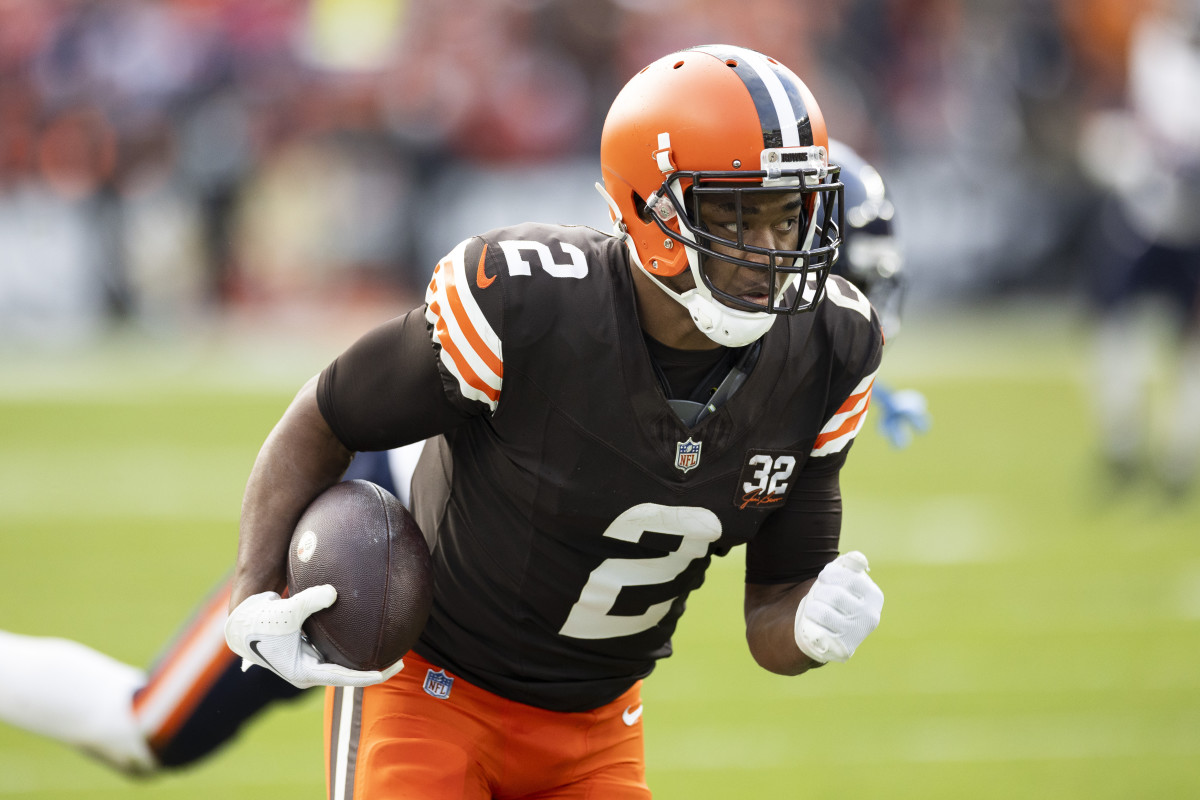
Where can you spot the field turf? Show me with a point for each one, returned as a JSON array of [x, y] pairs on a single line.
[[1041, 636]]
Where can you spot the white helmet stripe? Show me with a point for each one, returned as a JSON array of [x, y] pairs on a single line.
[[788, 123], [771, 96]]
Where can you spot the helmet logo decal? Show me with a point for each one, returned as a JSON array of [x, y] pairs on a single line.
[[687, 455]]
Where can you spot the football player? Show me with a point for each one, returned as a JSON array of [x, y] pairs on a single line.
[[605, 413], [1144, 265], [196, 697], [872, 260]]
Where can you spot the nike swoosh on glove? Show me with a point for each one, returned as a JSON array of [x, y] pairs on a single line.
[[839, 611], [265, 629]]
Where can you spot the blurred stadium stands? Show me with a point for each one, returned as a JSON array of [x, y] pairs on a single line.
[[169, 160]]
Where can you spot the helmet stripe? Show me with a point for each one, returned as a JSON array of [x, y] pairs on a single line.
[[781, 109]]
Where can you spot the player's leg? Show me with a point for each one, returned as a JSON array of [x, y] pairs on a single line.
[[196, 696], [387, 740], [617, 782], [1125, 346], [603, 751], [1181, 459], [68, 691], [1125, 350]]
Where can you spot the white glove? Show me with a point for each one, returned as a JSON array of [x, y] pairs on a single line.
[[265, 629], [840, 609]]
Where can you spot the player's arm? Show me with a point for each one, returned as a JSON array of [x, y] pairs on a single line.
[[384, 391], [792, 628], [300, 458], [782, 563], [770, 616], [805, 605]]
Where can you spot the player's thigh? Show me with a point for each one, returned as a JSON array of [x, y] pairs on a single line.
[[418, 767], [376, 749], [588, 755]]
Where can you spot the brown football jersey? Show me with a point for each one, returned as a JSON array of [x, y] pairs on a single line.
[[571, 511]]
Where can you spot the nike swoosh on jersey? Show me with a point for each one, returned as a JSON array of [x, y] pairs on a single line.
[[630, 716], [482, 279], [267, 661]]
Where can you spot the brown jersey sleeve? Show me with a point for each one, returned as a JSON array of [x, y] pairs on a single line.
[[386, 390], [802, 537]]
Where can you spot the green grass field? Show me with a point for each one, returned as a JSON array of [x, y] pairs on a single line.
[[1041, 636]]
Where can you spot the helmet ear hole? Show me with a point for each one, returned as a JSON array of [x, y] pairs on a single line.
[[643, 211]]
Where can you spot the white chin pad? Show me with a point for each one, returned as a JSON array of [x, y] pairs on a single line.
[[699, 308], [724, 325]]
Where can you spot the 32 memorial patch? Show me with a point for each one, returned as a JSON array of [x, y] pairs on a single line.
[[766, 479]]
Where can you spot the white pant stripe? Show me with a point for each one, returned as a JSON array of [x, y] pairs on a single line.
[[346, 744]]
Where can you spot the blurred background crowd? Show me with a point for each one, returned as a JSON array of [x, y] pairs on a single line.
[[162, 160]]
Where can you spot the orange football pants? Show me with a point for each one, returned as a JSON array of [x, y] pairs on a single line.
[[398, 740]]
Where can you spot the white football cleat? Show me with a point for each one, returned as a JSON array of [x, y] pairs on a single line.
[[81, 697]]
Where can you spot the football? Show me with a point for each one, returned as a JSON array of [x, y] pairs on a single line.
[[361, 539]]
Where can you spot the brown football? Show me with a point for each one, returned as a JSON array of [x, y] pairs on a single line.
[[361, 539]]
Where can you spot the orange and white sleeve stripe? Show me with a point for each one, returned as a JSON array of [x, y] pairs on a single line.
[[845, 424], [470, 349]]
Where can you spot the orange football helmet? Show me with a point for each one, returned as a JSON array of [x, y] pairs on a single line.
[[720, 119]]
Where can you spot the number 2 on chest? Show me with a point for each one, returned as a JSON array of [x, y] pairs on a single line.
[[590, 617]]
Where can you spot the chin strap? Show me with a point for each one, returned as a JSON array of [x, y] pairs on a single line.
[[618, 222]]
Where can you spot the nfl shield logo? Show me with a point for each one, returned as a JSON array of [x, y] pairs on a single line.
[[687, 455], [438, 683]]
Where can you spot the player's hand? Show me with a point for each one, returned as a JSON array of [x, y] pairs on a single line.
[[840, 609], [902, 413], [265, 629]]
